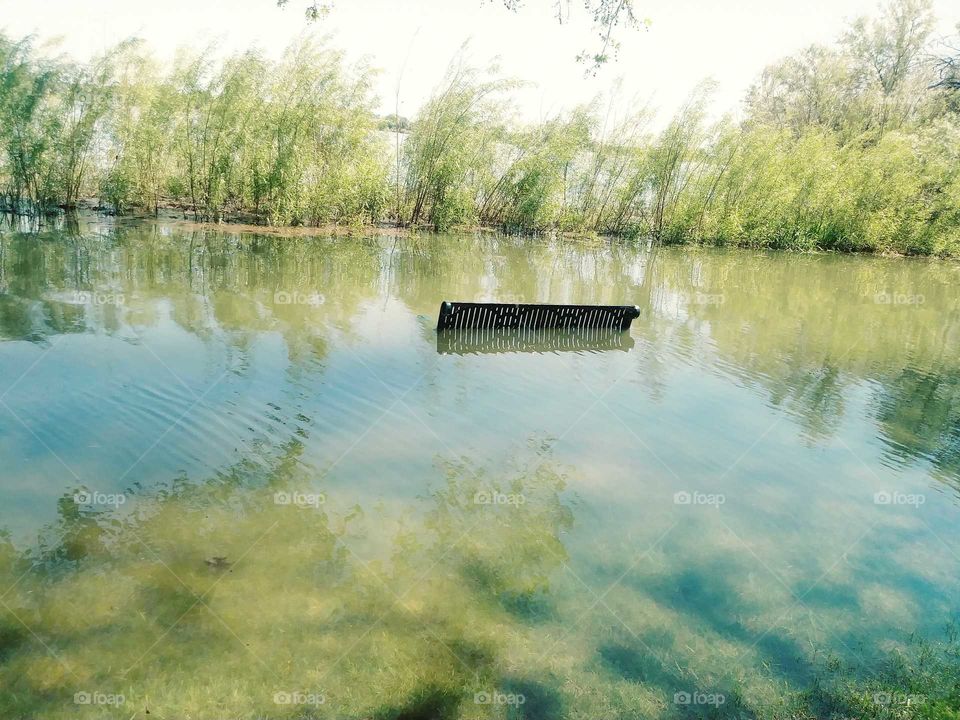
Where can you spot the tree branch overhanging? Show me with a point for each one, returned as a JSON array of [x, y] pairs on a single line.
[[609, 17]]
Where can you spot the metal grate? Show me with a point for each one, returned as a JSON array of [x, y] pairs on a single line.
[[515, 316]]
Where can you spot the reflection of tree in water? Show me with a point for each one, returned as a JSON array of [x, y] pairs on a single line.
[[802, 329], [22, 315], [919, 415], [806, 330], [211, 284], [815, 398], [426, 269]]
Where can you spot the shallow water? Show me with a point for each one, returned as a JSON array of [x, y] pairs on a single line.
[[241, 478]]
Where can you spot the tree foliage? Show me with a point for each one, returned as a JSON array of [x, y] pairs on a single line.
[[854, 146], [292, 142]]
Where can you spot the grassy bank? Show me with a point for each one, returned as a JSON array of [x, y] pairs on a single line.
[[852, 147]]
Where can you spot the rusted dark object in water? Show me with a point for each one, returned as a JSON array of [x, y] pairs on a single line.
[[522, 316]]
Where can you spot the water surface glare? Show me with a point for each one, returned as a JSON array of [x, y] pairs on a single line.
[[242, 477]]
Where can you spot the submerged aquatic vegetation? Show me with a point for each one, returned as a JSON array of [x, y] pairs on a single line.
[[229, 598], [263, 594], [920, 679]]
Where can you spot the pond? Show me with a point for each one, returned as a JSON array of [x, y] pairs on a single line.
[[241, 478]]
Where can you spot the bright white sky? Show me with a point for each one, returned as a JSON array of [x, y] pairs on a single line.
[[728, 40]]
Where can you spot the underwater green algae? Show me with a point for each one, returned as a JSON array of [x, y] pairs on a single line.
[[214, 600], [248, 596]]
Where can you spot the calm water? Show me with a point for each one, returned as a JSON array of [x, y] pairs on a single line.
[[240, 478]]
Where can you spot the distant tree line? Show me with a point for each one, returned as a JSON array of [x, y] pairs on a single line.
[[854, 146]]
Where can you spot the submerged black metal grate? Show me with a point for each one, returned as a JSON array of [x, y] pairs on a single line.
[[518, 316], [494, 341]]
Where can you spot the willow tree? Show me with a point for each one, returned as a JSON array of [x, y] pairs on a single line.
[[886, 48], [888, 54], [873, 79], [676, 158], [28, 124], [216, 109], [529, 182], [141, 131], [452, 137], [609, 179], [84, 104], [315, 156], [816, 87]]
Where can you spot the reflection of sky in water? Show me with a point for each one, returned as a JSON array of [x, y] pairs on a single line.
[[791, 398]]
